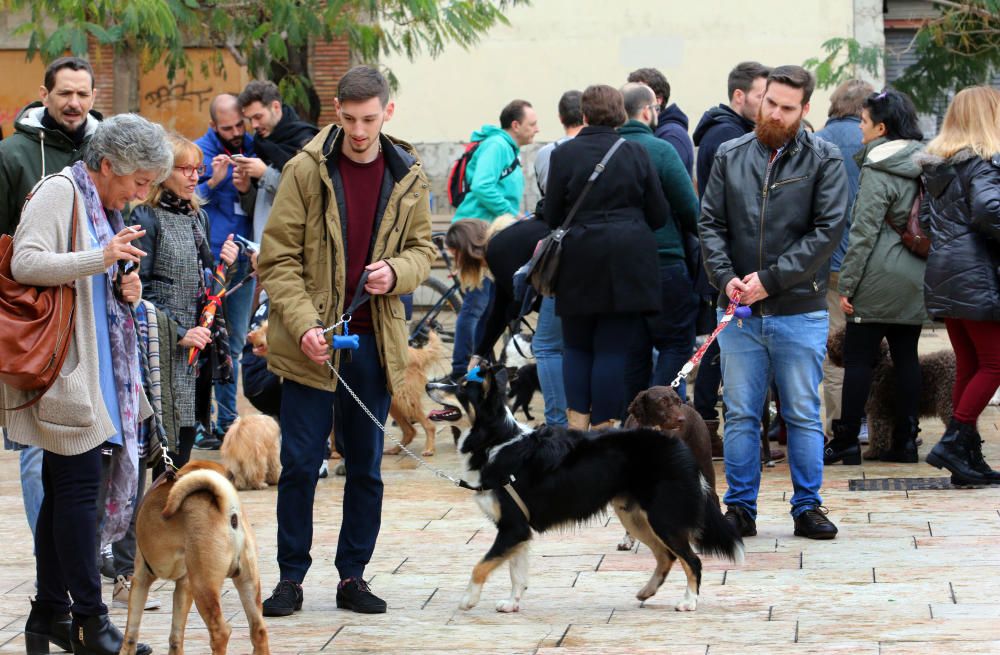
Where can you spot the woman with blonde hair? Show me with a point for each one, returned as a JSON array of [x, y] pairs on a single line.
[[177, 251], [961, 286]]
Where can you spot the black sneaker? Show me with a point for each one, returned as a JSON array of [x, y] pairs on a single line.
[[740, 519], [285, 599], [354, 594], [813, 524]]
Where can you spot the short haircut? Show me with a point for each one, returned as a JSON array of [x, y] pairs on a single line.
[[221, 101], [795, 77], [603, 105], [570, 114], [848, 98], [73, 64], [895, 110], [636, 97], [363, 83], [130, 143], [654, 79], [514, 111], [263, 91], [744, 74]]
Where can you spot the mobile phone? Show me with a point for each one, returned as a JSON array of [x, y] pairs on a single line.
[[251, 246], [238, 157]]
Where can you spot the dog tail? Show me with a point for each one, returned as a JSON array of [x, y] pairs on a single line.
[[216, 484], [718, 537]]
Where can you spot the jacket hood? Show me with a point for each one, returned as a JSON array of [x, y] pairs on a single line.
[[325, 144], [938, 171], [673, 114], [29, 121], [718, 116], [487, 131], [895, 157]]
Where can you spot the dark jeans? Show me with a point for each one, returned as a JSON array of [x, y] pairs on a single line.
[[595, 354], [306, 420], [862, 342], [706, 385], [470, 325], [65, 546], [671, 332]]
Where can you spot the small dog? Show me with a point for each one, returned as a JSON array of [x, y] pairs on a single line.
[[191, 529], [258, 338], [937, 379], [251, 451], [523, 385], [407, 406], [537, 479]]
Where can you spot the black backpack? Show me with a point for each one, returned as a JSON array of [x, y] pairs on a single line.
[[458, 182]]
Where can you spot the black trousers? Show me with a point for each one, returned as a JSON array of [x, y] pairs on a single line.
[[862, 342], [65, 548]]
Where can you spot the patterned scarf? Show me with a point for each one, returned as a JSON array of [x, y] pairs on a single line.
[[175, 204], [124, 476]]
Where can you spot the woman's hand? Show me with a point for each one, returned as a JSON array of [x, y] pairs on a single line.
[[220, 168], [846, 306], [131, 287], [121, 248], [196, 337], [229, 251]]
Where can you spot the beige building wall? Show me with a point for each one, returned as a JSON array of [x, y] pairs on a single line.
[[554, 45]]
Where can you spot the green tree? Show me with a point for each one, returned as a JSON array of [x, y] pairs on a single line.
[[270, 37], [958, 47]]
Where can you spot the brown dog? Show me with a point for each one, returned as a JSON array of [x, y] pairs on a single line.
[[407, 406], [661, 408], [191, 529], [258, 338], [251, 451]]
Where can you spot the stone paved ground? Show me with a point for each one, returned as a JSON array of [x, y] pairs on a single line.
[[911, 572]]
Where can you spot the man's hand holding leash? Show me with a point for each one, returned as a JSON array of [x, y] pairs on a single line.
[[750, 288], [315, 346], [381, 279]]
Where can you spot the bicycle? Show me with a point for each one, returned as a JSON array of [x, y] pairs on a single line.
[[442, 301]]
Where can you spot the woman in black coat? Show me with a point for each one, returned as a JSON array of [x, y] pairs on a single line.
[[608, 270], [961, 284]]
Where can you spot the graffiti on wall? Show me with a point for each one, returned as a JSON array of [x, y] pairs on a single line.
[[179, 92]]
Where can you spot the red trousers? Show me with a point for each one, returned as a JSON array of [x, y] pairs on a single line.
[[977, 371]]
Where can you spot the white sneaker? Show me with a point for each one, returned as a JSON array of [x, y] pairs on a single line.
[[863, 435], [123, 587], [324, 469]]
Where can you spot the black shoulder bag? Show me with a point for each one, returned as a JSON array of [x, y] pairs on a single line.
[[543, 269]]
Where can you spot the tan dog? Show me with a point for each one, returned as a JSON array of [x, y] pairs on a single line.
[[407, 406], [251, 451], [258, 338], [191, 529]]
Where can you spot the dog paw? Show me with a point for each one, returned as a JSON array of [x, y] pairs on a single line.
[[508, 606], [688, 604], [646, 593], [468, 602], [428, 453], [395, 450], [627, 542]]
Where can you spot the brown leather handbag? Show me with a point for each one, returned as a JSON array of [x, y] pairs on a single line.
[[36, 326], [913, 236]]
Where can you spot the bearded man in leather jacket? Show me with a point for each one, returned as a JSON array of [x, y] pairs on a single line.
[[772, 213]]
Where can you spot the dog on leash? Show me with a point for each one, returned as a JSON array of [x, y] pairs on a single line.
[[191, 529], [937, 379], [251, 451], [537, 479], [258, 338], [523, 385], [407, 406]]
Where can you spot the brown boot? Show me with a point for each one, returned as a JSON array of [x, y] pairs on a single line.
[[715, 438], [577, 420]]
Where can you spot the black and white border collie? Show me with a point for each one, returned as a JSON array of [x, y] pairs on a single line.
[[563, 477]]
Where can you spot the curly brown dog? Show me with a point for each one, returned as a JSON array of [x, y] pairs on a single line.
[[937, 379], [660, 408], [407, 406], [251, 451]]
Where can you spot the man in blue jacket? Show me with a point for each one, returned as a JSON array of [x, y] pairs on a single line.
[[220, 188], [671, 122]]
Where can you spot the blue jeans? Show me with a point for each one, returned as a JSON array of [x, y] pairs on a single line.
[[789, 350], [237, 308], [547, 346], [306, 419], [31, 484], [470, 325]]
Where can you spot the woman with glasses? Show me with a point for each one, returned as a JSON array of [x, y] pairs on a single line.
[[880, 279], [177, 252]]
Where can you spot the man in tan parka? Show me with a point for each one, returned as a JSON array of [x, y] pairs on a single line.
[[353, 201]]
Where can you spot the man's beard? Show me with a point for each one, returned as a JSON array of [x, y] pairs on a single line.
[[773, 134], [235, 145]]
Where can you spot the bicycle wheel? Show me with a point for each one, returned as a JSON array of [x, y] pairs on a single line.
[[435, 307]]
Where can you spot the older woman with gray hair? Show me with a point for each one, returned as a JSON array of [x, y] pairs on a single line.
[[98, 398]]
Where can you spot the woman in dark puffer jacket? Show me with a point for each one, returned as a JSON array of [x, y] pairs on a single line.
[[961, 285]]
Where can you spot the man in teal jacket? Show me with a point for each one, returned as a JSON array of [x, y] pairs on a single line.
[[672, 332], [496, 181]]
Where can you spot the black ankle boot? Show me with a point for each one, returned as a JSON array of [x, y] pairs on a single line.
[[844, 446], [955, 452], [904, 443], [975, 446], [97, 635], [44, 627]]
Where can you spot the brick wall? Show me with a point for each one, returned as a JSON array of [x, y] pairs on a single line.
[[330, 60], [102, 58]]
